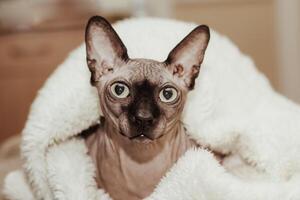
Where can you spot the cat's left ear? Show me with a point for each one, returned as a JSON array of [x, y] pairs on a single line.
[[185, 59], [104, 48]]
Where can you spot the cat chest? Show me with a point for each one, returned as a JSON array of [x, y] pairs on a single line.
[[124, 178]]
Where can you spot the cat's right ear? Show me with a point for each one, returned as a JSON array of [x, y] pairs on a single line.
[[185, 59], [104, 48]]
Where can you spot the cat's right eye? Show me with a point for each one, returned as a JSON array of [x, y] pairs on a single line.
[[120, 90], [168, 94]]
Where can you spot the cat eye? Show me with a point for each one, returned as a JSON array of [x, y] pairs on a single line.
[[168, 94], [120, 90]]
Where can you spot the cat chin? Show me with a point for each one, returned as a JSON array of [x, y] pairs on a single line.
[[142, 139]]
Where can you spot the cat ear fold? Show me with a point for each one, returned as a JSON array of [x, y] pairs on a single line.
[[185, 59], [104, 48]]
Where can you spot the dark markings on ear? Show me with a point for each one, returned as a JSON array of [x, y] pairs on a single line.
[[94, 73], [185, 59], [104, 48], [178, 70], [193, 74]]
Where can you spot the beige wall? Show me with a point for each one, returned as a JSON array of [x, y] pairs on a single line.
[[267, 30], [288, 49], [249, 23]]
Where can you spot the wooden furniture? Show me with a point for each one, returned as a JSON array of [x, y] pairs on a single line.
[[28, 57]]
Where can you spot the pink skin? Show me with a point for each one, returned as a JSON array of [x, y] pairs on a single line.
[[142, 135]]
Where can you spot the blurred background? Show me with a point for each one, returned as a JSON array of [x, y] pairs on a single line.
[[36, 35]]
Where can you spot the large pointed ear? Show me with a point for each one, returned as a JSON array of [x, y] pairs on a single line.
[[104, 48], [185, 59]]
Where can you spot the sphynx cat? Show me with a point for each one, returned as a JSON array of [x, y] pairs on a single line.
[[141, 134]]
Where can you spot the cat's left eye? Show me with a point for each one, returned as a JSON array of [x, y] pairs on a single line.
[[120, 90], [168, 94]]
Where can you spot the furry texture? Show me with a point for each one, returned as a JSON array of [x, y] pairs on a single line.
[[233, 109]]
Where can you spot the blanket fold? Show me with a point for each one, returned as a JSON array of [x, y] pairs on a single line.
[[233, 110]]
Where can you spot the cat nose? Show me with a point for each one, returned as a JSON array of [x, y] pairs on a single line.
[[144, 118]]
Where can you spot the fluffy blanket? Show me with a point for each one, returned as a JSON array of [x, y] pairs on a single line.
[[233, 109]]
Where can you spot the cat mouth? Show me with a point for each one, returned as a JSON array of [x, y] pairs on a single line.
[[141, 137]]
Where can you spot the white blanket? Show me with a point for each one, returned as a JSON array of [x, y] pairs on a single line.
[[233, 109]]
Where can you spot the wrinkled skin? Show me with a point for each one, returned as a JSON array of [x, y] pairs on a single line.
[[141, 135], [131, 169]]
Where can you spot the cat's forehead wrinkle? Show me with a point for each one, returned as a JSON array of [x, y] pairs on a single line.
[[141, 69]]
